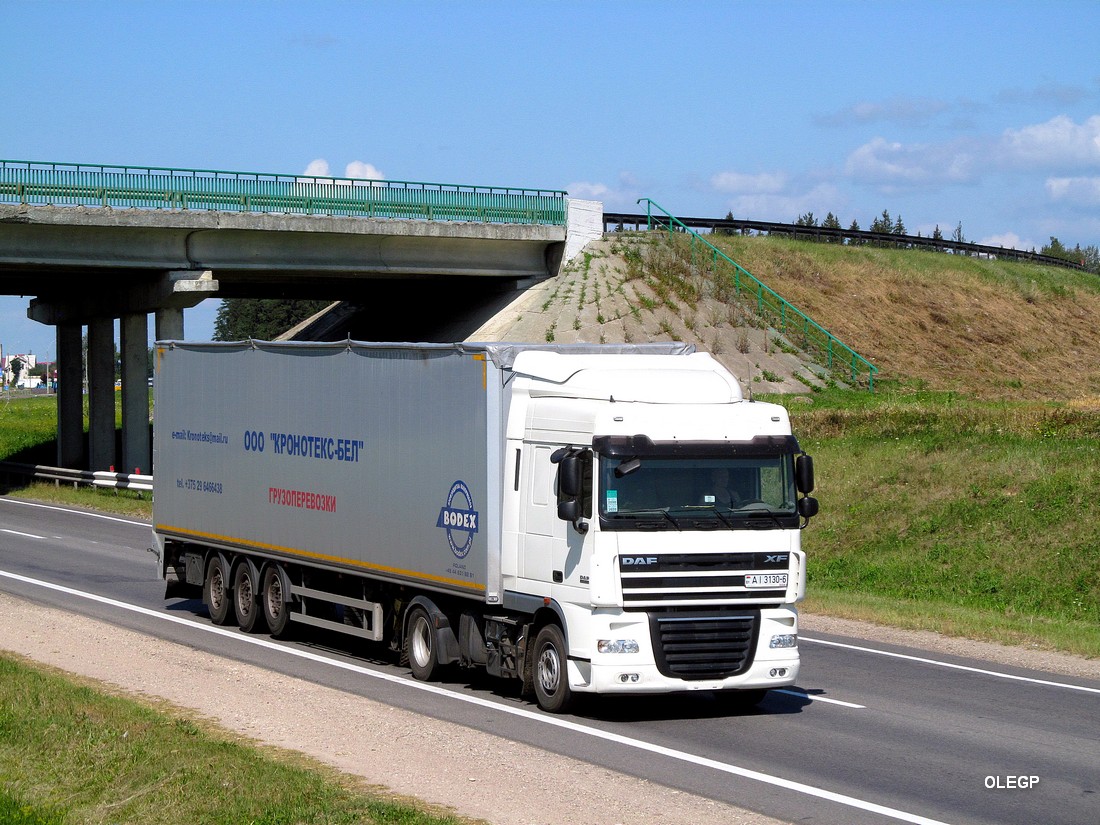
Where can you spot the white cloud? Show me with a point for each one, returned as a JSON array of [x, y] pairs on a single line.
[[892, 164], [356, 169], [621, 197], [366, 171], [741, 183], [1058, 143], [1009, 240], [786, 206], [906, 110], [588, 191], [1079, 191]]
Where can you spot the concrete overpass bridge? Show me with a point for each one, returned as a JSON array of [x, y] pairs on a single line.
[[93, 244]]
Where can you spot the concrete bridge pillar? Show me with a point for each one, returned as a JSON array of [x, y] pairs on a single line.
[[101, 394], [134, 348], [169, 324], [70, 396]]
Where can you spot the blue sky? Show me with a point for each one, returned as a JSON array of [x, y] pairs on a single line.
[[984, 113]]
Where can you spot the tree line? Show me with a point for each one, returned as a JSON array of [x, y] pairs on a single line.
[[1087, 257]]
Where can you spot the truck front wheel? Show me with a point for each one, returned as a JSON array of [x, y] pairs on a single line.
[[551, 676], [420, 646], [216, 591]]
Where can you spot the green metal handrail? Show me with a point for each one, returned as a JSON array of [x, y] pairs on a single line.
[[814, 338], [152, 187]]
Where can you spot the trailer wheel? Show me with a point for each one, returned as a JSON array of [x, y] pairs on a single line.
[[215, 591], [276, 608], [551, 677], [420, 646], [246, 600]]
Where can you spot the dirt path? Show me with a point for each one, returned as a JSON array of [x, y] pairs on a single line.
[[443, 764]]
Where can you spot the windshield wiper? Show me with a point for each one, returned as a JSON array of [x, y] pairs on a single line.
[[713, 510], [637, 514]]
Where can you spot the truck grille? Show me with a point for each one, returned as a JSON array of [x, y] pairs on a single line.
[[711, 645], [690, 579]]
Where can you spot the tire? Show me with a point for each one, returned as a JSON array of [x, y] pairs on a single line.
[[420, 646], [216, 592], [273, 600], [551, 674], [246, 601]]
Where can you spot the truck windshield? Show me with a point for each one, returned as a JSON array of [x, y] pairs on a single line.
[[697, 493]]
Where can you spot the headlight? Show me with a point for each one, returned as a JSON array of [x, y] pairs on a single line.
[[783, 640], [617, 646]]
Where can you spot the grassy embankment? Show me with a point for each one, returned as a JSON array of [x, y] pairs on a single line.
[[962, 496], [73, 754]]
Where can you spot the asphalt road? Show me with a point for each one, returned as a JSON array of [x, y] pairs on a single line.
[[873, 733]]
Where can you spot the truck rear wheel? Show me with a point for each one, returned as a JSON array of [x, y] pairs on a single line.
[[551, 675], [420, 646], [276, 608], [215, 591], [246, 600]]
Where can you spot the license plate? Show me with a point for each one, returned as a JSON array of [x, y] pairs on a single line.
[[765, 580]]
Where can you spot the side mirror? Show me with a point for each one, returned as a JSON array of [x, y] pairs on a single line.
[[804, 474], [570, 510], [807, 507], [569, 476]]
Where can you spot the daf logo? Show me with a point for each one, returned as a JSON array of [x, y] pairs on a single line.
[[638, 560], [775, 559]]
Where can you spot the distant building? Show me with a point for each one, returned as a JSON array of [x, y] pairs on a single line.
[[17, 371]]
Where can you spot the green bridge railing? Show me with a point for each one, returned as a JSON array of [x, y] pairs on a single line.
[[150, 187], [788, 319]]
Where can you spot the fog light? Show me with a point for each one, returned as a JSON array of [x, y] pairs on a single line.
[[777, 672], [628, 677], [782, 640], [617, 646]]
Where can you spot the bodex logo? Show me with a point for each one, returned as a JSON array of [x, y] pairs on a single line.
[[459, 518]]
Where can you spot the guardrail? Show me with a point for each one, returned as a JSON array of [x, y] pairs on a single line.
[[824, 233], [118, 481], [787, 318], [153, 187]]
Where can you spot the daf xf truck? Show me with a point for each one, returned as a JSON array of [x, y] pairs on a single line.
[[607, 519]]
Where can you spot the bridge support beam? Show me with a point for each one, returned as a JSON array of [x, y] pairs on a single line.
[[134, 347], [101, 394], [169, 325], [70, 397]]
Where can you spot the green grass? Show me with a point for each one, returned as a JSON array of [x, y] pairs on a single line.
[[972, 518], [70, 754]]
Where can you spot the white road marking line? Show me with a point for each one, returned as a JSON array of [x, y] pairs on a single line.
[[952, 665], [17, 533], [801, 694], [532, 716], [102, 516]]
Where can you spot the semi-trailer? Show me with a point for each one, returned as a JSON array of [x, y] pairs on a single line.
[[580, 518]]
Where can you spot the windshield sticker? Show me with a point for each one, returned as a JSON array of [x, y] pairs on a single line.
[[612, 501]]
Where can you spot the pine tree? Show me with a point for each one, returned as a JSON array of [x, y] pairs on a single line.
[[262, 319]]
